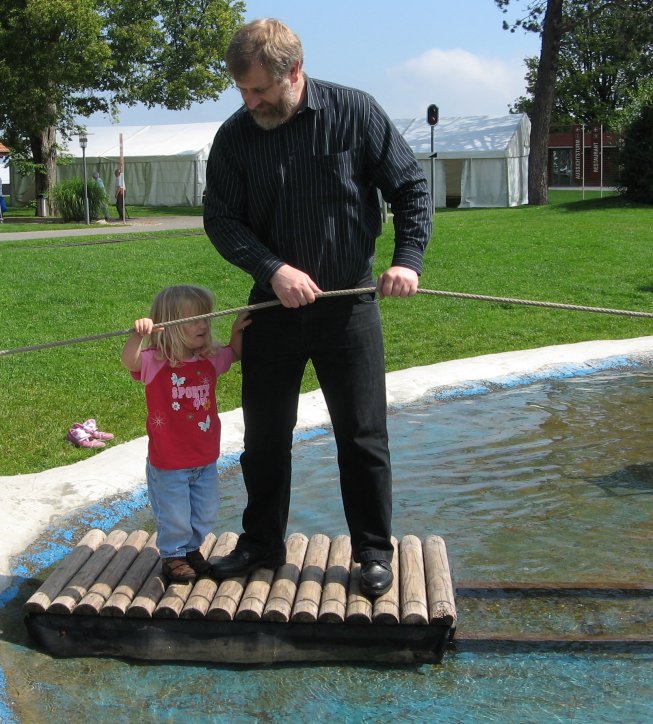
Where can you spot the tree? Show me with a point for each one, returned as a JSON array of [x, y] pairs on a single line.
[[551, 31], [60, 59], [604, 56], [561, 24], [635, 124], [636, 173]]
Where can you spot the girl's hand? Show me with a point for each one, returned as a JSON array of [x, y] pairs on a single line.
[[242, 320], [131, 354], [144, 326], [236, 341]]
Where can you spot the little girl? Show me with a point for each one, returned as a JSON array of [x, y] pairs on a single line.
[[179, 370]]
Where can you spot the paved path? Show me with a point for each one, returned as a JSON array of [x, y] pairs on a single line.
[[151, 223]]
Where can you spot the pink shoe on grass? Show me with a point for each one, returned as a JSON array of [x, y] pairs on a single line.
[[79, 437], [90, 427]]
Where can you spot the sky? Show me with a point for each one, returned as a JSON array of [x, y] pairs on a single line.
[[407, 53]]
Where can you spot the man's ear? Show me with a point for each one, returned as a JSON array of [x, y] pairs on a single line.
[[295, 72]]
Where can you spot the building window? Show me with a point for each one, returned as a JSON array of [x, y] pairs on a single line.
[[560, 167]]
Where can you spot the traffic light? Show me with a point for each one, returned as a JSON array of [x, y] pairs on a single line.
[[432, 115]]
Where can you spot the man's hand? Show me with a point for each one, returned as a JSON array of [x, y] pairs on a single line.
[[293, 287], [397, 281]]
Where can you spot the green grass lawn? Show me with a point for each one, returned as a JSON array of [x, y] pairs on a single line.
[[591, 252]]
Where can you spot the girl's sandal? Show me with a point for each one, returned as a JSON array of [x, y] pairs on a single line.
[[79, 437], [90, 426]]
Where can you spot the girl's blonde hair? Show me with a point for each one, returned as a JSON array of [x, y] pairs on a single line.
[[179, 302]]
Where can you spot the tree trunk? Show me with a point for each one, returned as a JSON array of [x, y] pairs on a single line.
[[44, 154], [538, 192]]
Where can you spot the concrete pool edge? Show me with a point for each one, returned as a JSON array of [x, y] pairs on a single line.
[[32, 504]]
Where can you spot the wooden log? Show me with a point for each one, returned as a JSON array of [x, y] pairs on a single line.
[[252, 604], [79, 584], [413, 583], [386, 607], [309, 593], [284, 588], [124, 594], [72, 562], [359, 607], [205, 589], [100, 591], [177, 594], [439, 588], [336, 580], [173, 600], [149, 595], [227, 597]]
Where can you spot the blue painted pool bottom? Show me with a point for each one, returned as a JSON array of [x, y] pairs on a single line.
[[511, 504], [464, 688]]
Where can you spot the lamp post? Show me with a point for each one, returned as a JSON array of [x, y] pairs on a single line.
[[83, 142]]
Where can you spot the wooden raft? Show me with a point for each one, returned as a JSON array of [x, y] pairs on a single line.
[[108, 597]]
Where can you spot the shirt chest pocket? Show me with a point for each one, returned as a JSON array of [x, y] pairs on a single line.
[[337, 173]]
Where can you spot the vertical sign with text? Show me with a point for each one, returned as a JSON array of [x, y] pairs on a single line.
[[577, 159], [596, 149]]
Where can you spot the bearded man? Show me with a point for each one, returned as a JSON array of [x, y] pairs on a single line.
[[292, 198]]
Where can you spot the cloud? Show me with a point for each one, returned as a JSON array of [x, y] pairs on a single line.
[[457, 81]]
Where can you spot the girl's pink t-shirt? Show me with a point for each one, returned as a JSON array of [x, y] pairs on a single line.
[[183, 426]]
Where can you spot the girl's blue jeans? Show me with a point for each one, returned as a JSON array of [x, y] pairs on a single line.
[[185, 504]]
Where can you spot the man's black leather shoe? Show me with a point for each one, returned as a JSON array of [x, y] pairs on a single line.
[[376, 578], [239, 562]]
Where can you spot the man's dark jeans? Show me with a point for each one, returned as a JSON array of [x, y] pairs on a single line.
[[343, 338]]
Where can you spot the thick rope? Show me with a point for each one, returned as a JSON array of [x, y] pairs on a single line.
[[533, 303], [336, 293]]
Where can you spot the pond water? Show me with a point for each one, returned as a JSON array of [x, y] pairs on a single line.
[[550, 482]]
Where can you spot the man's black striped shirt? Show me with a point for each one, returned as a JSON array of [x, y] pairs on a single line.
[[305, 193]]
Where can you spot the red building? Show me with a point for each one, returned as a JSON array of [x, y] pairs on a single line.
[[583, 156]]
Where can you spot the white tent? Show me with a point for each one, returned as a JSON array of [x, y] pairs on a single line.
[[165, 165], [481, 161]]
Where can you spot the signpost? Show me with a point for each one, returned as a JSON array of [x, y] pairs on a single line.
[[121, 190], [432, 118], [83, 142]]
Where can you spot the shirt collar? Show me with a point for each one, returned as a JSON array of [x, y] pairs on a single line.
[[313, 99]]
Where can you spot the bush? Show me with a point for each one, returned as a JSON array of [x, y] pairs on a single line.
[[67, 200], [636, 172]]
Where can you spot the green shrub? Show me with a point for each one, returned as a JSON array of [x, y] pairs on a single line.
[[67, 200]]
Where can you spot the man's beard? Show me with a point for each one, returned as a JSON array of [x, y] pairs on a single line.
[[272, 115]]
